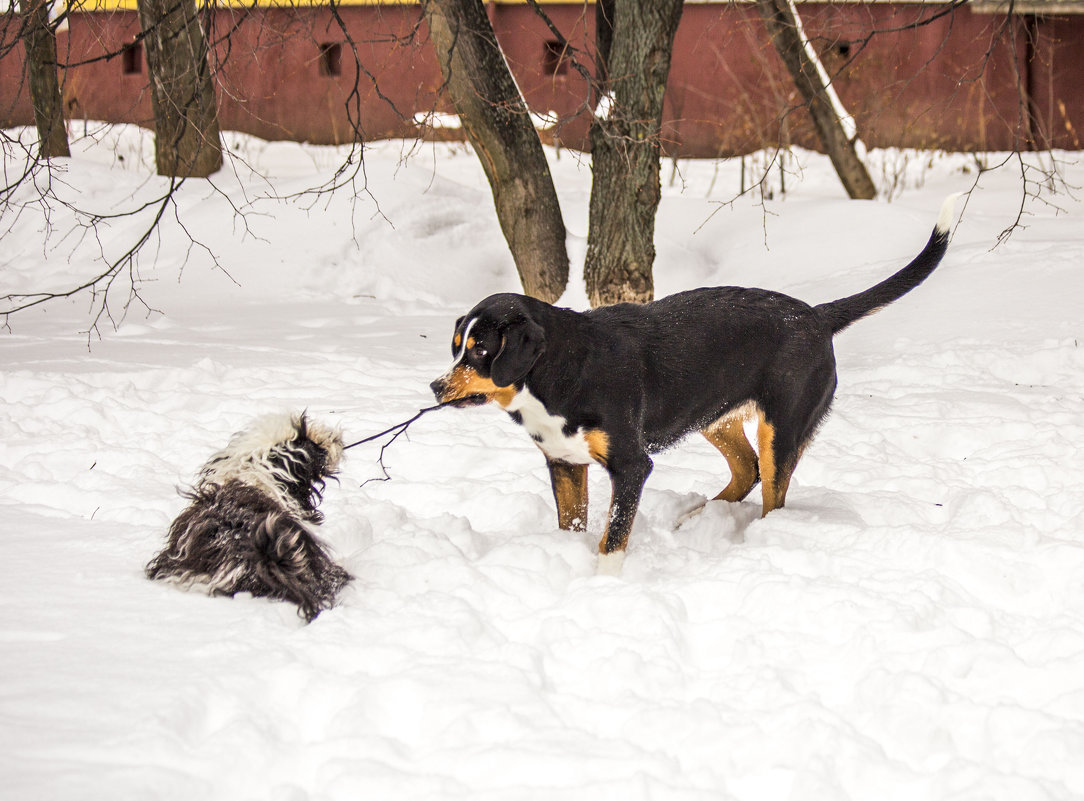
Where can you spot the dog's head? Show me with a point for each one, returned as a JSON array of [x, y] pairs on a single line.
[[494, 347], [285, 455]]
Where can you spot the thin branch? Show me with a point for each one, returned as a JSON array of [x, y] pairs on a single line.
[[400, 429]]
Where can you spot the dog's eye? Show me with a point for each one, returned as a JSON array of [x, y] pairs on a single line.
[[478, 352]]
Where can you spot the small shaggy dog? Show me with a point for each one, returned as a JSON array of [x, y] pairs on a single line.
[[249, 527]]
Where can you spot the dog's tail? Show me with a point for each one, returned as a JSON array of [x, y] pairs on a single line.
[[841, 313], [288, 562]]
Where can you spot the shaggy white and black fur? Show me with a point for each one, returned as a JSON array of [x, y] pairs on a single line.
[[249, 527]]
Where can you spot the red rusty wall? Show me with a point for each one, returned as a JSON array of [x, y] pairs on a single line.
[[275, 79], [268, 71], [15, 108], [1057, 83], [549, 79], [951, 84], [930, 86], [100, 89]]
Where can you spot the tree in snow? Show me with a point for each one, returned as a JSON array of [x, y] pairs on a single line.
[[835, 128], [496, 120], [625, 89], [634, 41], [39, 38], [187, 140]]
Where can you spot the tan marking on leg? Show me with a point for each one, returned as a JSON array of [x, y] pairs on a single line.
[[570, 492], [598, 444], [774, 476], [728, 435], [464, 381], [765, 441], [606, 533]]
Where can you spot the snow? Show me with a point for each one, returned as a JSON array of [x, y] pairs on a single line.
[[910, 626]]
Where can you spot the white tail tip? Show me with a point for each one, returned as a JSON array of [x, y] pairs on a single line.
[[948, 212]]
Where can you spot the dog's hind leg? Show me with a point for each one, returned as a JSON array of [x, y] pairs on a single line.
[[778, 458], [570, 492], [728, 435]]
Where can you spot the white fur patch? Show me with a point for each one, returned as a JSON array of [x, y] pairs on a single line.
[[610, 564], [447, 375], [247, 457], [463, 345], [547, 430], [948, 212]]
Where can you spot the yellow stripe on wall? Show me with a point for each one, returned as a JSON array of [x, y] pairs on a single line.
[[130, 5]]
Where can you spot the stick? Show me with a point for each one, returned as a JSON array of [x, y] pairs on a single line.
[[398, 428]]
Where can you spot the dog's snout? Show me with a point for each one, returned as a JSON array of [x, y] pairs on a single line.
[[439, 386]]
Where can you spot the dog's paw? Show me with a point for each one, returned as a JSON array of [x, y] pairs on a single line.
[[610, 564]]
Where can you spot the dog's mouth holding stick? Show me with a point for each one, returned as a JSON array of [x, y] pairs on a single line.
[[470, 400]]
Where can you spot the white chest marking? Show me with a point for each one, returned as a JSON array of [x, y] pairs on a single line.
[[547, 430]]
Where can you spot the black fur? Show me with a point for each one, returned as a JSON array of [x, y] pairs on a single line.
[[248, 527], [841, 313], [639, 378]]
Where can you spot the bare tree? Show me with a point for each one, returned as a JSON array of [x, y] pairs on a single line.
[[492, 110], [187, 145], [187, 142], [835, 128], [496, 120], [634, 40], [39, 38]]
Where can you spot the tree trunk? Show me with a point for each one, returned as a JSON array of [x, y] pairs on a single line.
[[635, 40], [785, 28], [39, 39], [495, 118], [187, 142]]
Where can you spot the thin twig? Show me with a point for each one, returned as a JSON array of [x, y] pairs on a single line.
[[399, 429]]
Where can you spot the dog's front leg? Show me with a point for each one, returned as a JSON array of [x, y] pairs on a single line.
[[570, 492], [628, 480]]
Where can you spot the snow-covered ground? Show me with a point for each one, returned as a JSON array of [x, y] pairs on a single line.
[[910, 626]]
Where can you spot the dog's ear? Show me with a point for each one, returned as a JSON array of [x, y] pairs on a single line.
[[522, 342]]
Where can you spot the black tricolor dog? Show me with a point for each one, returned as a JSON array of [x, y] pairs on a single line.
[[613, 385]]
